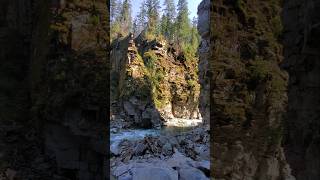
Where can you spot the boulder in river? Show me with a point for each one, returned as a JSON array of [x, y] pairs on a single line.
[[191, 174], [154, 173]]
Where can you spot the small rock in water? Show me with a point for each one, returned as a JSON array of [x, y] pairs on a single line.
[[139, 149], [167, 149]]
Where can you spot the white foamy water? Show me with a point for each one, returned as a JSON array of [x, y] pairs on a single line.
[[134, 134], [131, 135], [181, 122], [172, 126]]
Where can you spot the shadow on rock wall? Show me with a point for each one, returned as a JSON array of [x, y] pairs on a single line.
[[301, 52]]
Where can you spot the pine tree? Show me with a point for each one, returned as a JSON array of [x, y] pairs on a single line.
[[169, 15], [164, 26], [115, 6], [135, 26], [126, 19], [115, 10], [141, 18], [152, 12], [195, 37], [182, 23]]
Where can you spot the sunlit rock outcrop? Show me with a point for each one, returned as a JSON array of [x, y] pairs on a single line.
[[153, 82]]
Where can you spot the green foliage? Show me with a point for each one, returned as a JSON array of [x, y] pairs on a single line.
[[192, 83], [259, 70], [167, 22], [94, 19], [121, 22], [152, 14], [150, 59], [275, 135], [234, 112], [239, 4], [277, 26], [266, 71]]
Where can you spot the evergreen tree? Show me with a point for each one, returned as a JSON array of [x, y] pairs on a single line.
[[182, 23], [115, 6], [169, 18], [164, 26], [126, 19], [141, 18], [115, 18], [195, 37], [135, 26], [152, 12]]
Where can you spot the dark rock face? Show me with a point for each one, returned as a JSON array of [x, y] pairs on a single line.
[[204, 57], [22, 57], [301, 48], [53, 90], [248, 90], [76, 105]]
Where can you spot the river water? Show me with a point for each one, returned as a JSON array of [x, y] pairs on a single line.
[[175, 127]]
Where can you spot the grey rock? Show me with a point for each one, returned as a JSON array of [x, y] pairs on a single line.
[[129, 108], [139, 149], [192, 174], [167, 149], [154, 173]]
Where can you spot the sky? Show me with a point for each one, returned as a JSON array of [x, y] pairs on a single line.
[[192, 5]]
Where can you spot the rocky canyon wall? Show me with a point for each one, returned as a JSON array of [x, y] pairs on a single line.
[[204, 59], [23, 44], [75, 107], [301, 23], [53, 89], [248, 90], [152, 82]]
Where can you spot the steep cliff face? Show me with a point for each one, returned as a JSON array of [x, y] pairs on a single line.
[[301, 22], [204, 59], [22, 58], [153, 82], [53, 89], [248, 90], [75, 106]]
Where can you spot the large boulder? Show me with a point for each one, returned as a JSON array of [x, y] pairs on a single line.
[[191, 174], [154, 173]]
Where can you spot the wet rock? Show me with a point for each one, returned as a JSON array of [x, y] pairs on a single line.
[[154, 173], [178, 160], [139, 149], [129, 108], [191, 174], [114, 148], [204, 166], [167, 149]]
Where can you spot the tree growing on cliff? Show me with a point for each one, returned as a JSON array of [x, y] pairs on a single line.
[[120, 17], [125, 18], [115, 7], [152, 13], [182, 22], [195, 37], [168, 19], [141, 18]]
